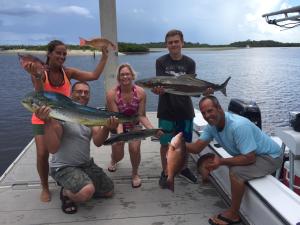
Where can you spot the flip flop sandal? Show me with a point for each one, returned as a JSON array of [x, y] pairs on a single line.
[[136, 182], [112, 167], [229, 221], [224, 219], [67, 205]]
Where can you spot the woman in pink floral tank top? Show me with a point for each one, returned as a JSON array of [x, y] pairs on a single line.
[[130, 100]]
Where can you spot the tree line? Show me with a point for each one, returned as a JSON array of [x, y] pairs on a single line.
[[145, 47]]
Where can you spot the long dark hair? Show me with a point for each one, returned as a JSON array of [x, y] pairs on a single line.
[[51, 46]]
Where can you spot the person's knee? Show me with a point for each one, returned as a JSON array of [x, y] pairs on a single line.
[[87, 192], [135, 149], [118, 149], [235, 174]]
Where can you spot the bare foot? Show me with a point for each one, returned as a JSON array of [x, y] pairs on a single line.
[[112, 167], [45, 195]]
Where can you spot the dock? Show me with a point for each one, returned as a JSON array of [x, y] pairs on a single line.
[[190, 204]]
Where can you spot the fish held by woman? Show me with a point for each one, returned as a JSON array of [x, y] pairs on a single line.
[[98, 43], [25, 59], [64, 109], [132, 135]]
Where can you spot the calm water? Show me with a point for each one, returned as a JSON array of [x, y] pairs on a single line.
[[269, 76]]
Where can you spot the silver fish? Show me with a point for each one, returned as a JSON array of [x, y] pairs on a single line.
[[131, 135], [63, 108], [187, 85]]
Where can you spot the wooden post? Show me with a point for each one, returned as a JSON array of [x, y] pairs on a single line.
[[108, 25]]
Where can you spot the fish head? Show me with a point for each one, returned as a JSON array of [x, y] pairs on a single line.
[[27, 58], [33, 100]]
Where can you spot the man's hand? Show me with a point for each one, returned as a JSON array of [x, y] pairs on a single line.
[[43, 113], [159, 133], [158, 90], [208, 91], [213, 164]]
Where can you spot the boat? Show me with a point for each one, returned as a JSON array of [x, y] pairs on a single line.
[[189, 204], [266, 201]]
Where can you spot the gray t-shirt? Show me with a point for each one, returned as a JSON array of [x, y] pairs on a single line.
[[170, 106], [74, 149]]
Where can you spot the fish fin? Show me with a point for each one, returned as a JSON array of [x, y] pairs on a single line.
[[223, 86], [187, 76], [114, 47], [82, 42], [170, 183]]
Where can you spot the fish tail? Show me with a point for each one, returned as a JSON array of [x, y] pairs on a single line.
[[21, 60], [170, 183], [113, 46], [223, 86], [82, 41]]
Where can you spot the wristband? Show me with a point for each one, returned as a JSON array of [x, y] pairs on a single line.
[[113, 131]]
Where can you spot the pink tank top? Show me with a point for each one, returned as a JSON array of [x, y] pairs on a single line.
[[129, 109], [65, 89]]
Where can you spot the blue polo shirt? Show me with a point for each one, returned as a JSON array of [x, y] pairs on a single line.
[[241, 136]]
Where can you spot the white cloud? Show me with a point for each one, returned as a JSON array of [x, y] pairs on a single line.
[[21, 38], [138, 11], [73, 9]]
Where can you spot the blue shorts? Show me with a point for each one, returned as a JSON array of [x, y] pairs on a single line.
[[171, 128]]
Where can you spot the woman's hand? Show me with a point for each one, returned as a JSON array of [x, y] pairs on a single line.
[[35, 69], [105, 52], [208, 91]]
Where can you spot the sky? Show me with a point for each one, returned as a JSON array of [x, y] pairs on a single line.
[[34, 22]]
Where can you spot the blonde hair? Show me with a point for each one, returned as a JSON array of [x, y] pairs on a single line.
[[127, 65]]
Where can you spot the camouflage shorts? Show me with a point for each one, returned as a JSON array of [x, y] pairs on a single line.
[[75, 178]]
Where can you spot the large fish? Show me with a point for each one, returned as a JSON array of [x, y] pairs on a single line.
[[187, 84], [131, 135], [63, 108], [27, 58], [175, 160], [98, 43]]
